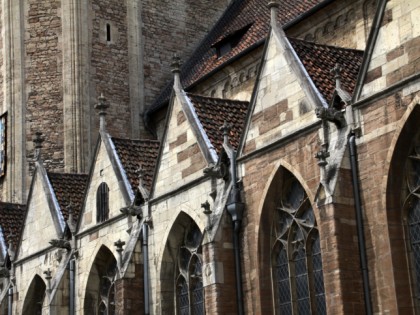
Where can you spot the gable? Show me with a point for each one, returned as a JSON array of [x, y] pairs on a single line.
[[395, 52], [283, 100], [181, 159], [39, 207], [103, 171]]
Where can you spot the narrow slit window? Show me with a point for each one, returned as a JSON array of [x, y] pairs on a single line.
[[102, 203], [108, 32]]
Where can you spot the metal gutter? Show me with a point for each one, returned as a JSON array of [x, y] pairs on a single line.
[[10, 301], [72, 288], [236, 210], [145, 244]]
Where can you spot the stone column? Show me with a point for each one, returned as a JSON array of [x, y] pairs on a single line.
[[77, 110], [14, 100], [136, 74]]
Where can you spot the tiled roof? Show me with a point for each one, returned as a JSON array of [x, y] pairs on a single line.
[[132, 154], [319, 60], [11, 221], [69, 188], [241, 13], [213, 112]]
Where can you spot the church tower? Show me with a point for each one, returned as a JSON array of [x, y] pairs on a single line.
[[58, 56]]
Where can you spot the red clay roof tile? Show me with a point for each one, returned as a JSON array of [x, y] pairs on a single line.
[[239, 14], [136, 153], [213, 112], [69, 188], [11, 221], [319, 60]]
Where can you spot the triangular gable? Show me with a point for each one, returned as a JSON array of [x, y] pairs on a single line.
[[106, 167], [283, 97], [186, 149], [42, 203], [392, 47]]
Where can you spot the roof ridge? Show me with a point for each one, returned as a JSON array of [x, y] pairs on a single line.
[[324, 45], [138, 140], [215, 98], [12, 203], [77, 174]]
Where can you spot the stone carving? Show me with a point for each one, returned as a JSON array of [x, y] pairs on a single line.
[[60, 243]]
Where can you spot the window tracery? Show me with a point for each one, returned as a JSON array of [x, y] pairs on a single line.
[[189, 280], [412, 210], [296, 255]]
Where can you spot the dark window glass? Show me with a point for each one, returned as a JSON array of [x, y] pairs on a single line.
[[296, 256], [281, 281], [102, 203], [412, 208], [189, 290], [108, 32]]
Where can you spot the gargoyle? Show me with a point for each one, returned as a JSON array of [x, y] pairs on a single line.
[[132, 210], [60, 243], [331, 114]]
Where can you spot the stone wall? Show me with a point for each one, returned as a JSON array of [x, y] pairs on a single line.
[[396, 54], [43, 57], [110, 65], [388, 127], [173, 28], [343, 24], [336, 224], [181, 159]]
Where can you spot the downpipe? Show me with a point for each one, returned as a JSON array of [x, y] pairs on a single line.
[[72, 264], [145, 244], [10, 301], [359, 222], [236, 208]]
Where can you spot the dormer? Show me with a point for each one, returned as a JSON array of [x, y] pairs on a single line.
[[226, 43]]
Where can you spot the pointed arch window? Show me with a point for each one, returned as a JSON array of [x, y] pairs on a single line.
[[412, 210], [298, 284], [102, 203], [189, 280], [100, 294]]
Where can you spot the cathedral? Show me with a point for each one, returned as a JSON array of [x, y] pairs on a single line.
[[209, 157]]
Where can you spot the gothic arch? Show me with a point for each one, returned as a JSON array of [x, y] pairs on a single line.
[[180, 270], [272, 242], [396, 196], [100, 290], [35, 296]]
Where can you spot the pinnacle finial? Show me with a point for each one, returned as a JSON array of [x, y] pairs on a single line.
[[176, 64], [140, 171], [226, 128], [337, 75], [273, 5], [37, 140], [102, 106]]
